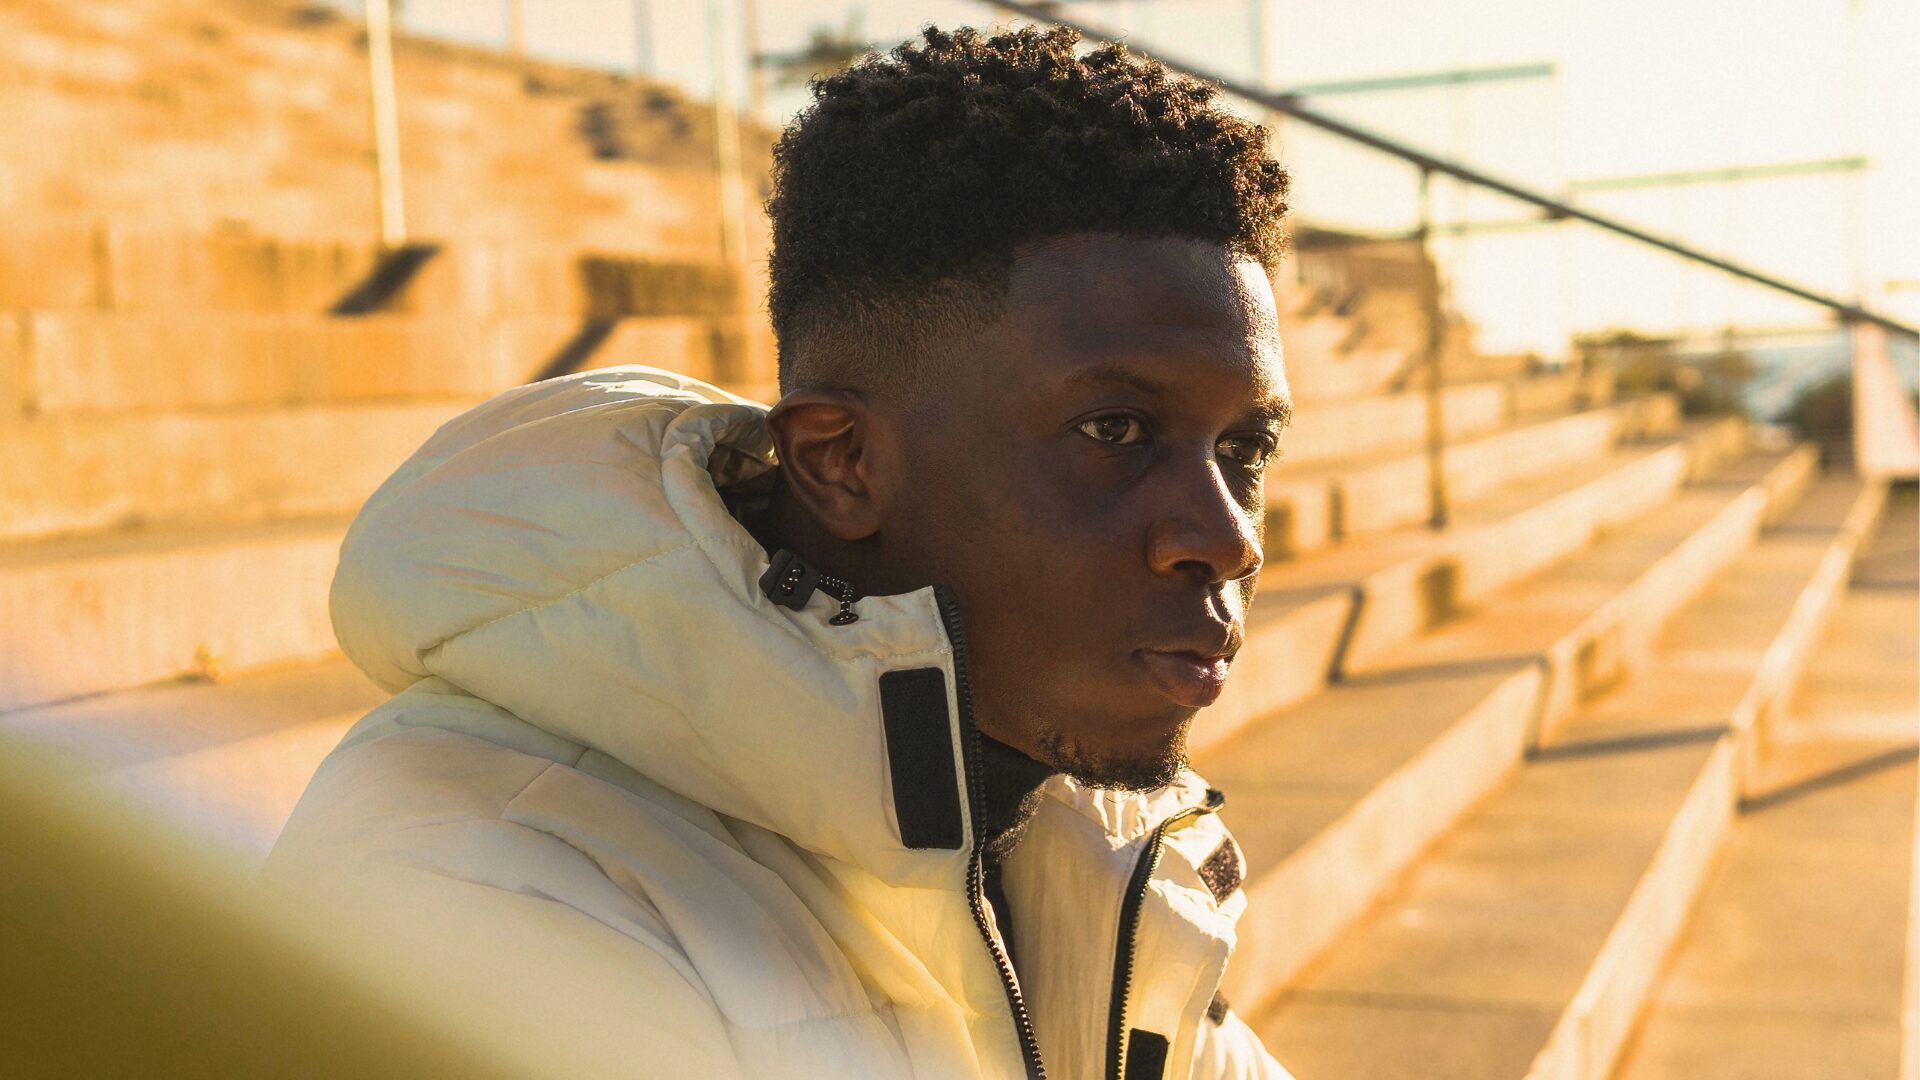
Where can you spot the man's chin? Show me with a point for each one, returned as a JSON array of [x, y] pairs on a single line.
[[1139, 766]]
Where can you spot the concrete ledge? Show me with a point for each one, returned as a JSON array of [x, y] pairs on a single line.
[[74, 474], [1287, 657], [16, 393], [1303, 514], [1613, 640], [1590, 856], [1544, 534], [1558, 389], [1587, 1040], [1478, 683], [1329, 430], [52, 266], [227, 761], [100, 614], [1312, 508], [188, 272], [81, 362], [1787, 658], [1790, 964], [1320, 367], [1591, 1033], [1352, 610], [70, 266], [1406, 599], [1329, 371], [1301, 905]]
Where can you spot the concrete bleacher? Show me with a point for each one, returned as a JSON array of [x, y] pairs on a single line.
[[1481, 772], [1569, 807], [256, 112], [1794, 963]]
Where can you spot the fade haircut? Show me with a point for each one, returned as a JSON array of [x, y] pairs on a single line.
[[901, 193]]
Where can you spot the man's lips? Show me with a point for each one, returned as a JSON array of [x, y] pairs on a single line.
[[1187, 678]]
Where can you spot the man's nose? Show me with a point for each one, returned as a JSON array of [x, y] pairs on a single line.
[[1204, 531]]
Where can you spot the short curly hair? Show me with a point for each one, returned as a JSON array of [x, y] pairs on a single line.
[[901, 193]]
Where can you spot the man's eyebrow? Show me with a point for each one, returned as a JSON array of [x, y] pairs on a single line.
[[1115, 376], [1276, 412]]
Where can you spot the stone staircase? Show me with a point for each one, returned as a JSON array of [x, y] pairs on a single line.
[[1798, 955], [1480, 772], [252, 114], [122, 631], [1469, 851]]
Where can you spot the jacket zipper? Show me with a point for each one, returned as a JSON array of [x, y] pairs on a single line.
[[976, 868], [1130, 905]]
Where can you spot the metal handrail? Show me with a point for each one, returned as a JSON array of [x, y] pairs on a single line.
[[1555, 209]]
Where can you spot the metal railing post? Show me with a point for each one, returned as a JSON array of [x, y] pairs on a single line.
[[756, 75], [732, 184], [1433, 360], [386, 125], [643, 58], [517, 27], [726, 138]]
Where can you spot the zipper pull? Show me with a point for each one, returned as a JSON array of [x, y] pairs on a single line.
[[846, 614], [791, 581]]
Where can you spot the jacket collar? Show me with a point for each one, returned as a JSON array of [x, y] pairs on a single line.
[[562, 551]]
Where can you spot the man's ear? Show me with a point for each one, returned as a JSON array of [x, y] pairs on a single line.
[[827, 440]]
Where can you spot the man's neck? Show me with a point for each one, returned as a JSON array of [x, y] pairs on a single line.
[[1010, 795], [775, 518]]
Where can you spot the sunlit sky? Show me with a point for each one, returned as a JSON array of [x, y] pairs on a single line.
[[1638, 87]]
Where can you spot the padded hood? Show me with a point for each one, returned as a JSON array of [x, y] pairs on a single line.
[[563, 552]]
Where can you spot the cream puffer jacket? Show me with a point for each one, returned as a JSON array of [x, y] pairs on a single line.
[[699, 834]]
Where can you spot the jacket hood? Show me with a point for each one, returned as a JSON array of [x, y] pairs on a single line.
[[562, 551]]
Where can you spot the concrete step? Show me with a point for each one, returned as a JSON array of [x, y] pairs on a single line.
[[1338, 429], [87, 615], [1337, 794], [76, 473], [492, 147], [1796, 958], [64, 266], [1523, 942], [1322, 367], [1347, 605], [225, 760], [106, 611], [1331, 430], [1312, 506], [100, 362], [1866, 684], [1792, 965]]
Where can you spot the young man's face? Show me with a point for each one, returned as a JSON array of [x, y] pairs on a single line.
[[1087, 478]]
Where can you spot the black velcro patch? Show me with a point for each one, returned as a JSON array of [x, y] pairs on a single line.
[[1222, 871], [1217, 1009], [1146, 1055], [926, 787]]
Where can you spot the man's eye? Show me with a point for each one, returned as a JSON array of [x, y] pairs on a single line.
[[1248, 451], [1117, 430]]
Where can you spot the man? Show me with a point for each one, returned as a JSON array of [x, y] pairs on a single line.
[[848, 738]]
